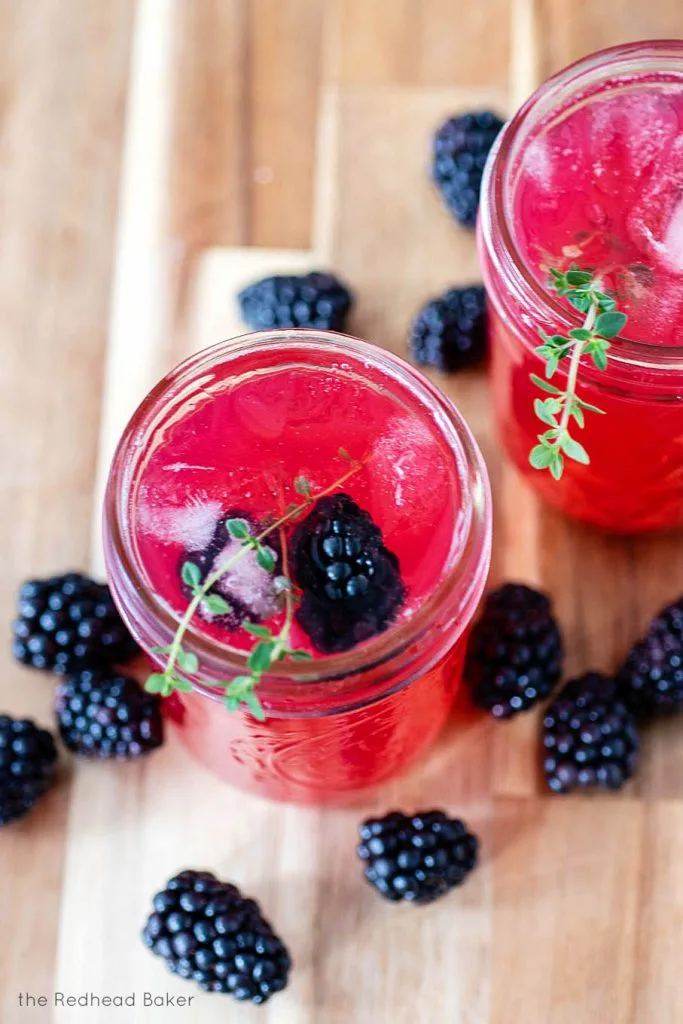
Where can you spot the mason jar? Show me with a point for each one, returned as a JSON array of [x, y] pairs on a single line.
[[589, 173], [211, 432]]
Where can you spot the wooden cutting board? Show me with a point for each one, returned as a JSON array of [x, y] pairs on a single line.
[[156, 155]]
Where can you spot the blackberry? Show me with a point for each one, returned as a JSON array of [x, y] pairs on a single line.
[[316, 300], [351, 584], [652, 675], [207, 931], [461, 146], [28, 758], [416, 857], [590, 736], [514, 656], [67, 622], [107, 716], [449, 332]]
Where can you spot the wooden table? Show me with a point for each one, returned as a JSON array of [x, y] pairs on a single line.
[[299, 125]]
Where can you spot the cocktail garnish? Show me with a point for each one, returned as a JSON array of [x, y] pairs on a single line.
[[603, 322]]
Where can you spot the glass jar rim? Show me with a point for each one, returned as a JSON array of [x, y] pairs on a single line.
[[460, 586], [629, 59]]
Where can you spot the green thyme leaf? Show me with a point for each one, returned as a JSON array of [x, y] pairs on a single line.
[[343, 454], [579, 301], [556, 352], [191, 575], [156, 683], [543, 412], [577, 413], [540, 456], [556, 465], [261, 656], [261, 631], [574, 450], [160, 650], [299, 655], [188, 661], [587, 406], [555, 342], [239, 686], [217, 605], [254, 704], [551, 366], [605, 301], [265, 558], [609, 325], [182, 685], [238, 528], [600, 358], [578, 277], [544, 385], [232, 703], [302, 486], [580, 334]]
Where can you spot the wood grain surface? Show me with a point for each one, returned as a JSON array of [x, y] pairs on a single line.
[[152, 156]]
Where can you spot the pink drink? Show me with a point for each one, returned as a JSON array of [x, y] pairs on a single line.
[[226, 436], [602, 186], [239, 452], [592, 175]]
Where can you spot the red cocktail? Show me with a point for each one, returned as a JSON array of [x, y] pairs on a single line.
[[231, 434], [590, 173]]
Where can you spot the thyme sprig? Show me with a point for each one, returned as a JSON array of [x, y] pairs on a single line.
[[270, 647], [603, 322]]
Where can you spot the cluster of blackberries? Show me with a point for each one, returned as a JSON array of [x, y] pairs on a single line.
[[69, 625], [204, 929], [207, 931], [449, 332], [590, 731]]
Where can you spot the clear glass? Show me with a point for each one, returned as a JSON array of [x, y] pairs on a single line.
[[635, 478], [347, 720]]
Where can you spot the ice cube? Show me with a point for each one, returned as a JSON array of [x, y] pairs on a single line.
[[651, 126], [608, 129], [553, 172], [246, 582], [538, 163], [406, 466], [655, 223], [191, 524], [673, 239]]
